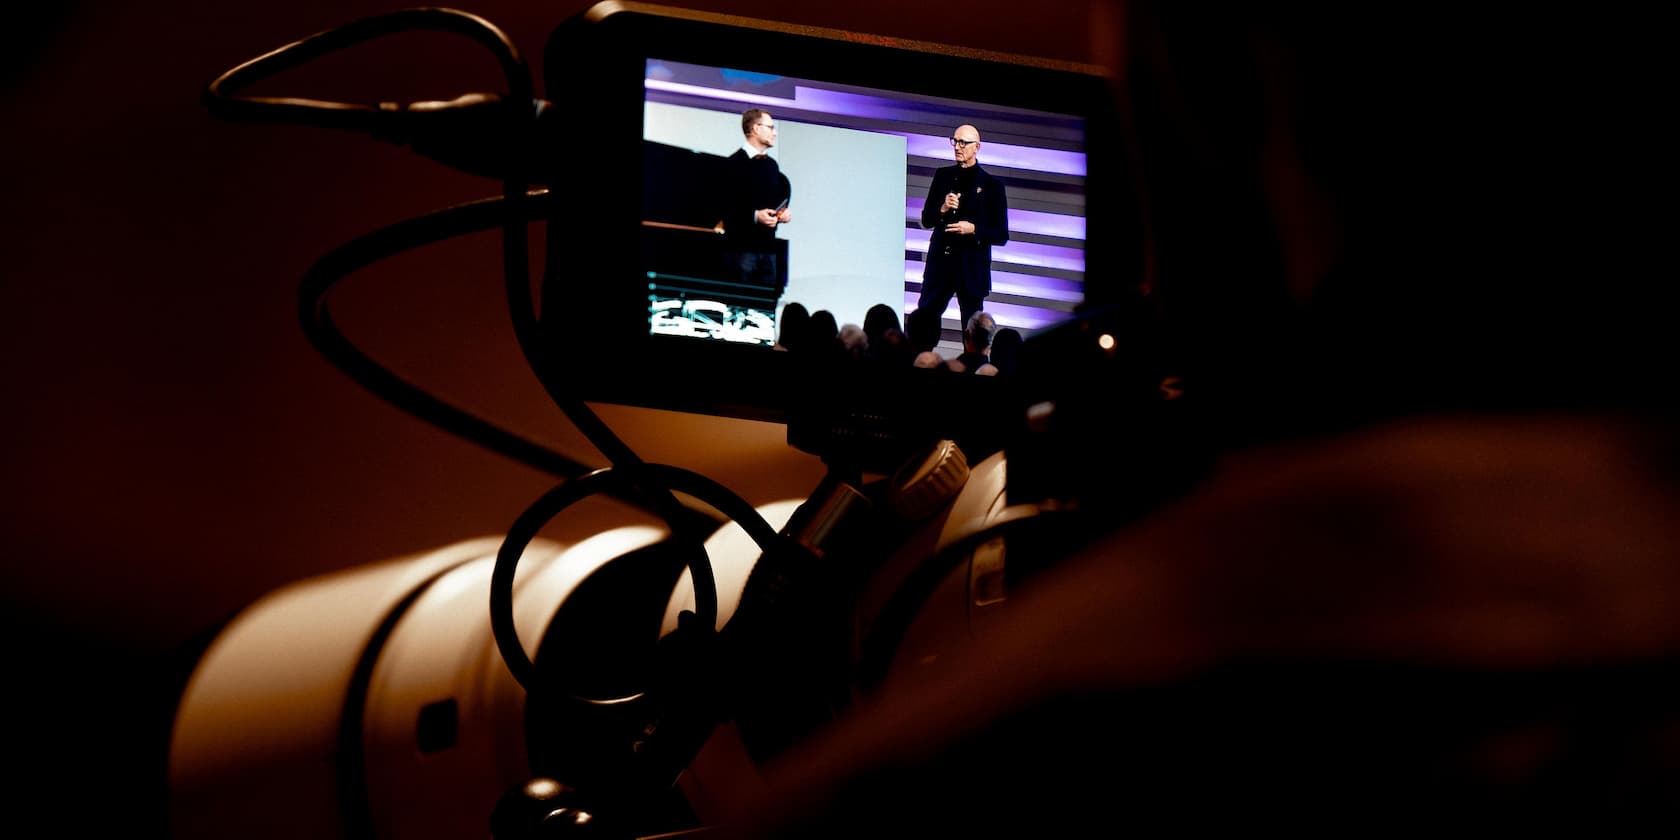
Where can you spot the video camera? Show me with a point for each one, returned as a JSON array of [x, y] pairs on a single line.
[[621, 683]]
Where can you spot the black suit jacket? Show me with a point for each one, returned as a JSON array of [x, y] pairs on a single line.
[[751, 185], [968, 257]]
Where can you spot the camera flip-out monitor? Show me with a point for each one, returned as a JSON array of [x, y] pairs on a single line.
[[642, 291]]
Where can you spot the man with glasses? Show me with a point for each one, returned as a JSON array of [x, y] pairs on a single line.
[[757, 203], [967, 210]]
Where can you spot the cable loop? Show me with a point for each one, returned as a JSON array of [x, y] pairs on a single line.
[[219, 94], [513, 211], [624, 478]]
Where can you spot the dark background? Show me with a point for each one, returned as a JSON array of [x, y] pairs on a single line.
[[173, 447], [175, 450]]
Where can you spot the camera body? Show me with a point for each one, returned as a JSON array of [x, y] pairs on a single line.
[[638, 291], [637, 309]]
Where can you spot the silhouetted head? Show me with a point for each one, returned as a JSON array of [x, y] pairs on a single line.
[[853, 339], [977, 333], [878, 320], [793, 324], [823, 326], [1006, 349]]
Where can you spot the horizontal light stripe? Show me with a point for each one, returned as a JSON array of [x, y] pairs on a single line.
[[816, 100], [1023, 318], [1017, 285], [716, 93], [1020, 221], [1009, 155], [1014, 253]]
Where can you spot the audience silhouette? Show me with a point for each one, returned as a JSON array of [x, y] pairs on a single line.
[[977, 339], [793, 326]]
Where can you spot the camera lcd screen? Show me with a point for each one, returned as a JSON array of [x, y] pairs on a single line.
[[850, 169], [675, 258]]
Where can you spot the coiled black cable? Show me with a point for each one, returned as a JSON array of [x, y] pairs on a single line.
[[512, 118], [622, 478]]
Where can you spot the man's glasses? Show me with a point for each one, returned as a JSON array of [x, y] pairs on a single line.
[[962, 144], [771, 126]]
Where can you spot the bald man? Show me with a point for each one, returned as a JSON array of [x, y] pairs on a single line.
[[967, 210]]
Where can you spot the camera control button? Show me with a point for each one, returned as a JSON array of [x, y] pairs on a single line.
[[928, 481]]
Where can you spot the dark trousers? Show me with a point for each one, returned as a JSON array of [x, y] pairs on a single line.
[[939, 284], [758, 269]]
